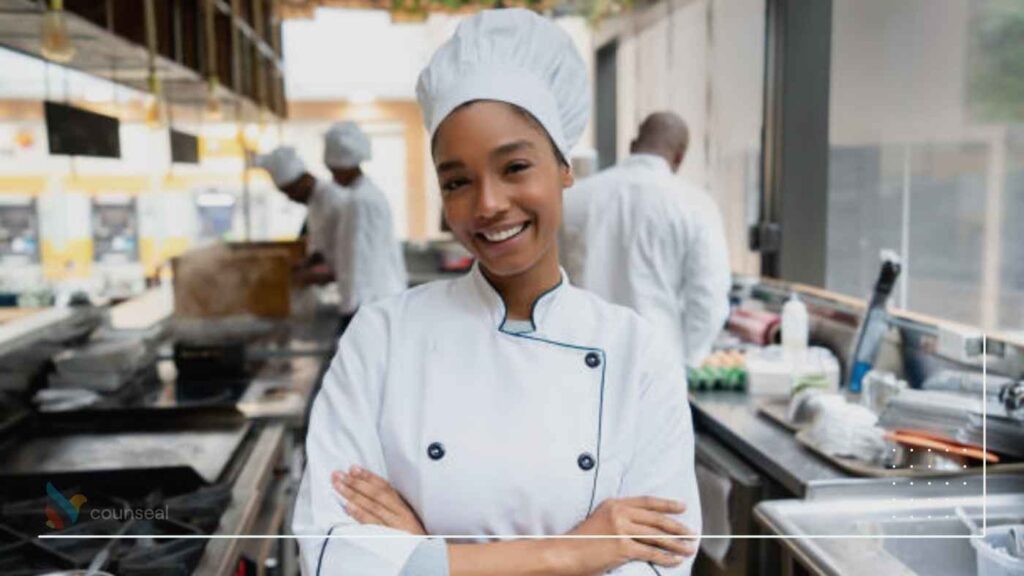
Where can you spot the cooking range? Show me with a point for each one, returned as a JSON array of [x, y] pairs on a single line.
[[117, 472], [192, 512]]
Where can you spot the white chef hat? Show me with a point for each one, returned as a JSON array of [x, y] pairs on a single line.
[[515, 56], [284, 165], [346, 146]]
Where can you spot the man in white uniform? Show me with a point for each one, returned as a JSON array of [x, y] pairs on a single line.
[[369, 264], [640, 237], [325, 205]]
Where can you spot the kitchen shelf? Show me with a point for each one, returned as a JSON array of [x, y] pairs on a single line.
[[110, 41]]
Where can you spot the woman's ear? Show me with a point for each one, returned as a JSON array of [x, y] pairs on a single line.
[[567, 178]]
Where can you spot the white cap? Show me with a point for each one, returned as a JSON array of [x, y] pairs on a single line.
[[515, 56], [283, 164], [346, 146]]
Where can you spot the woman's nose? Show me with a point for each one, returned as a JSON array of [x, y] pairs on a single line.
[[492, 200]]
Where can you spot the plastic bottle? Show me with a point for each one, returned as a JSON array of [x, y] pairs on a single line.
[[794, 331], [875, 324]]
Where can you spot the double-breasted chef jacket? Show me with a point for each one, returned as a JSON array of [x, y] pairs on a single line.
[[489, 432]]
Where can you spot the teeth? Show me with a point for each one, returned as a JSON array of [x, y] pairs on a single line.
[[504, 234]]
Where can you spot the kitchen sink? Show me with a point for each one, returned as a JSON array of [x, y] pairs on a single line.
[[872, 527], [932, 556]]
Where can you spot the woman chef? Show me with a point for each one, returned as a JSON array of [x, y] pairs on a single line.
[[505, 402]]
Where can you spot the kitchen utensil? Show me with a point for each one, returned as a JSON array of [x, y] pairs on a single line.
[[928, 441], [875, 324]]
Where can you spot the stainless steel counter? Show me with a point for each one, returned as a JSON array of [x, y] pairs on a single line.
[[278, 396], [733, 419], [220, 556], [877, 526]]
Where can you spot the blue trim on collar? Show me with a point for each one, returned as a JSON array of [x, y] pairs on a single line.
[[533, 307]]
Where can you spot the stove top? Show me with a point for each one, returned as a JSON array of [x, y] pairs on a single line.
[[69, 512]]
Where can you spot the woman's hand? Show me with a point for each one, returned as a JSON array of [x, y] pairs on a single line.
[[371, 500], [643, 516]]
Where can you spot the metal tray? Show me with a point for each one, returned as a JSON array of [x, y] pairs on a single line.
[[193, 445], [859, 468]]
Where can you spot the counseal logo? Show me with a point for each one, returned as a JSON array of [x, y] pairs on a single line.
[[61, 507]]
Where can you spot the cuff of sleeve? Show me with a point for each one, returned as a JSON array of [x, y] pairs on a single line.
[[430, 558]]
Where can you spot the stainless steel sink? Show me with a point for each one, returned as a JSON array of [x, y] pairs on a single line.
[[878, 527], [930, 556]]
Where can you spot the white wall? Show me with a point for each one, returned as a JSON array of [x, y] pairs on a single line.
[[704, 60]]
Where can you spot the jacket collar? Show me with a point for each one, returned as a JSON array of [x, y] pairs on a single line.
[[651, 161], [495, 306]]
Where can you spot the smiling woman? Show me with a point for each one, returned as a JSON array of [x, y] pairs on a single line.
[[463, 414], [501, 183]]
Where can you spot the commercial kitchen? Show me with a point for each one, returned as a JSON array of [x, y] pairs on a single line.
[[170, 303]]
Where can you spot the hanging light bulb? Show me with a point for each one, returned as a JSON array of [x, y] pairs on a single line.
[[154, 105], [214, 110], [57, 45]]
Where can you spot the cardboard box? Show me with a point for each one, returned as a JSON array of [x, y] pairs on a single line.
[[221, 281]]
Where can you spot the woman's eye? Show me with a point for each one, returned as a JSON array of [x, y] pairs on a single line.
[[516, 167], [454, 184]]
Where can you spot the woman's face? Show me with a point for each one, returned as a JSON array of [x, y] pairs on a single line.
[[501, 186]]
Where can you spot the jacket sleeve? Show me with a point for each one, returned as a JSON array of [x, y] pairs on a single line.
[[343, 432], [663, 461], [708, 279]]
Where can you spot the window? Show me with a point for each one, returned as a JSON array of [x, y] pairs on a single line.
[[926, 141]]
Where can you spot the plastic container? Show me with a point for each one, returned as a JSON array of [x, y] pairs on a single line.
[[794, 330], [769, 371], [993, 559]]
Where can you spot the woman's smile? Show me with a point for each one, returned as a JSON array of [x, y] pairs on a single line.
[[498, 235]]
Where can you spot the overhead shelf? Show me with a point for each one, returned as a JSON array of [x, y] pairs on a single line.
[[110, 42]]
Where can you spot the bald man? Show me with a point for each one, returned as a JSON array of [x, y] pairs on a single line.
[[638, 236]]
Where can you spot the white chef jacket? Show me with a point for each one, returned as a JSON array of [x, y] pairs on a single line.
[[324, 212], [640, 237], [368, 262], [489, 432]]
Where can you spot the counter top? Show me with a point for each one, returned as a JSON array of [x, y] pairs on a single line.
[[733, 419]]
